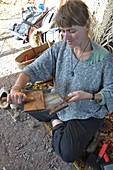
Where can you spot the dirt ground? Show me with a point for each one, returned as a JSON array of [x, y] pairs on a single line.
[[25, 144]]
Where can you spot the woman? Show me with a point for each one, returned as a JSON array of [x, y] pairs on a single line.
[[82, 70]]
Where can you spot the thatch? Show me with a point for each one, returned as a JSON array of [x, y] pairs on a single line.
[[102, 22]]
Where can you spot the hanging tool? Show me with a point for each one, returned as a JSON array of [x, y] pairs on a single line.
[[102, 152]]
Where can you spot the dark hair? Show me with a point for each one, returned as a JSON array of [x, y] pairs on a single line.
[[73, 12]]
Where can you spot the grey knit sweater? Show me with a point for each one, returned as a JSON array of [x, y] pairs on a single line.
[[92, 75]]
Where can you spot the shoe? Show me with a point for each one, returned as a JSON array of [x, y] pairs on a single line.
[[43, 116]]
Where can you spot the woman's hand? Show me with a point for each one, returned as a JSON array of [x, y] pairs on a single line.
[[79, 95], [16, 97]]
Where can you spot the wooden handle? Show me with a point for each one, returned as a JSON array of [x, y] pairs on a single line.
[[4, 99], [66, 98]]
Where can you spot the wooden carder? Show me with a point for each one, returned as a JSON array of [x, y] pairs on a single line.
[[40, 100]]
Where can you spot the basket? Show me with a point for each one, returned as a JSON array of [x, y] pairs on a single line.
[[31, 54]]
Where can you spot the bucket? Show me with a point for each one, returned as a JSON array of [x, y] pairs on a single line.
[[31, 54]]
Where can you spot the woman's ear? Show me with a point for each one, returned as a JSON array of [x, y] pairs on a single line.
[[87, 24]]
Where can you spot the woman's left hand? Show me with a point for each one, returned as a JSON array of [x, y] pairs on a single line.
[[79, 95]]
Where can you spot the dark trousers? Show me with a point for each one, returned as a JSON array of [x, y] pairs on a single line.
[[71, 138]]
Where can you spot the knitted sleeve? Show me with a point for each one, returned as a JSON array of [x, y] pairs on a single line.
[[107, 91]]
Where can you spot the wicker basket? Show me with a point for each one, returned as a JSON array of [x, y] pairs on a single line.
[[31, 54]]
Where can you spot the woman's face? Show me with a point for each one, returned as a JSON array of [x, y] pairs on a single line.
[[74, 35]]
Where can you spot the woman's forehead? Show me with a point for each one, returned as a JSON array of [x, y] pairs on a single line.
[[70, 28]]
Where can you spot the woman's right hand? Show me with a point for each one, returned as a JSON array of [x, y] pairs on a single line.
[[16, 97]]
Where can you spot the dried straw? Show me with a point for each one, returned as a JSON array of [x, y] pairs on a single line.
[[102, 22]]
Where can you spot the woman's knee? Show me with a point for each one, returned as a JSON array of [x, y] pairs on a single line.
[[69, 156], [68, 151]]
